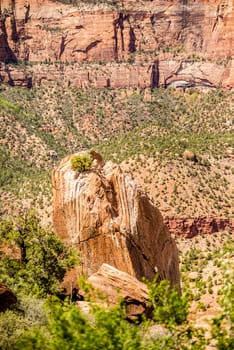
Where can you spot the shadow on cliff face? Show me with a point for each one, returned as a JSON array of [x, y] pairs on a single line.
[[153, 249], [6, 53], [192, 19], [155, 75]]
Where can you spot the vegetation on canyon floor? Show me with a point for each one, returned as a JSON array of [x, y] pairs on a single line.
[[147, 131], [40, 320]]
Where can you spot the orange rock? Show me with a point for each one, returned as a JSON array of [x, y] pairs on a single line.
[[114, 284], [193, 226], [110, 220], [158, 43]]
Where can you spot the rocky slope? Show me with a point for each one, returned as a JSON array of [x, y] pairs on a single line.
[[152, 43], [110, 220], [144, 131]]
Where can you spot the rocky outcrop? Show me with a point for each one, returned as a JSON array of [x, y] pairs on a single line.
[[178, 42], [7, 297], [114, 284], [191, 227], [110, 220]]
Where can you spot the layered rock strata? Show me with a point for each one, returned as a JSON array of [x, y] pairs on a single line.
[[110, 220], [191, 227], [181, 41]]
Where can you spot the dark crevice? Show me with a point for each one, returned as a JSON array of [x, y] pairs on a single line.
[[89, 47], [184, 14], [63, 44], [119, 24], [26, 16], [132, 44], [6, 53], [155, 75]]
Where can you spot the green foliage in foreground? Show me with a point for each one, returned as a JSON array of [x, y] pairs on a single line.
[[43, 259], [81, 162], [60, 325], [223, 325], [169, 307], [69, 328]]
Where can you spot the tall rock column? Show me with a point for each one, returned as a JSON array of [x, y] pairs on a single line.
[[110, 220]]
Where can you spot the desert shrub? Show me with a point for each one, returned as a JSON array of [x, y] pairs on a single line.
[[81, 162], [68, 328], [223, 325], [169, 307], [12, 325], [43, 259], [28, 312], [107, 328]]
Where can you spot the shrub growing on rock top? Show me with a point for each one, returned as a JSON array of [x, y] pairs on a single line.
[[81, 162]]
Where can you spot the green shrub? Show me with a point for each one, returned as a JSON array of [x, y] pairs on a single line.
[[43, 259], [170, 308], [68, 328], [81, 162], [12, 326], [28, 312]]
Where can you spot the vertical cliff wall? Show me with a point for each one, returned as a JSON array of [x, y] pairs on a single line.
[[165, 36]]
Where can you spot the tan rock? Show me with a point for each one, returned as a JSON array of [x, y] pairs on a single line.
[[189, 155], [110, 220], [115, 284]]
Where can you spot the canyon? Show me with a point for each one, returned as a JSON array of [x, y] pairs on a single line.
[[126, 44], [149, 85]]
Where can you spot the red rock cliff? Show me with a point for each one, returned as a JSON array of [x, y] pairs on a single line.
[[186, 40], [110, 220]]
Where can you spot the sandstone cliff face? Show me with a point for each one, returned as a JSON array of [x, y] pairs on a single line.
[[38, 30], [166, 37], [110, 220]]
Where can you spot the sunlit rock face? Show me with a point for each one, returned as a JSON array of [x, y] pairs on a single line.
[[154, 43], [110, 220]]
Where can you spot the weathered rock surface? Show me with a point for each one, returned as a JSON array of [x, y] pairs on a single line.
[[110, 220], [115, 284], [191, 43], [191, 227], [7, 297]]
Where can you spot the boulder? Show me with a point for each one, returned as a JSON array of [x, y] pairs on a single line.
[[115, 284], [110, 220], [7, 297]]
